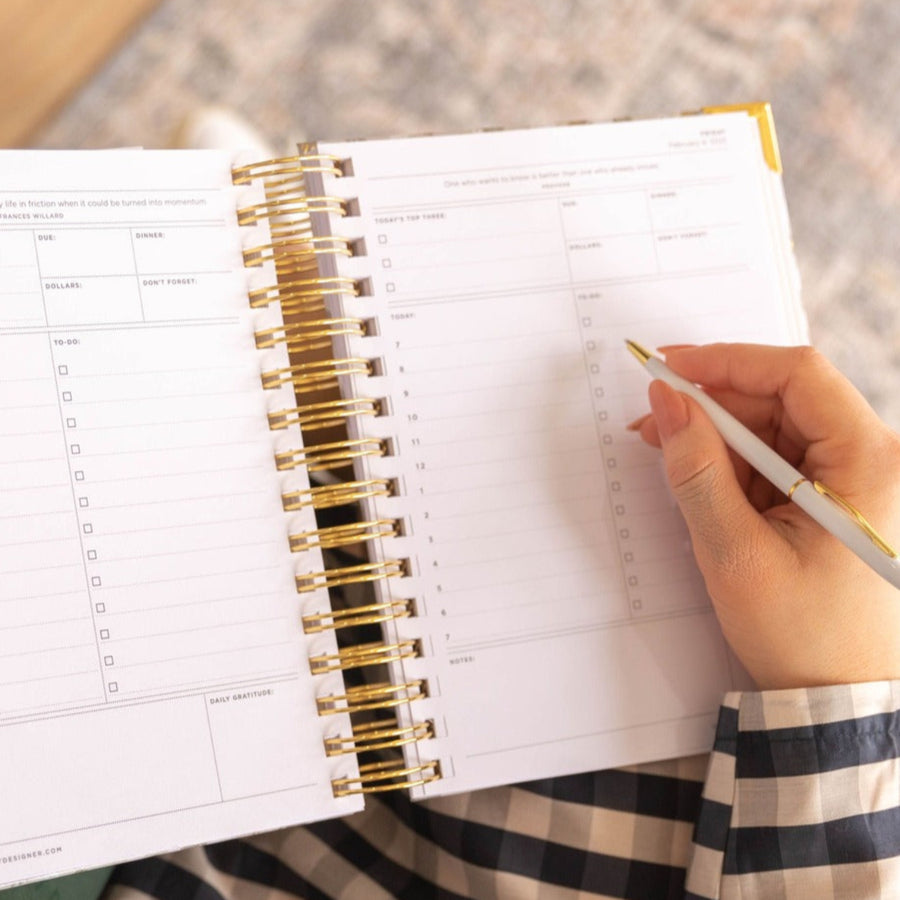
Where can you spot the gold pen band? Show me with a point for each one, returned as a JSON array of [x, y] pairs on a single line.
[[851, 510]]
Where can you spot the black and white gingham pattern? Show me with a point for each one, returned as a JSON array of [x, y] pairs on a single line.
[[801, 798]]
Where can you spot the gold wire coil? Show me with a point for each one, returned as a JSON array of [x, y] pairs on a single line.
[[297, 335], [297, 204], [303, 303], [382, 734], [308, 248], [309, 302], [373, 654], [287, 165], [370, 614], [334, 455], [322, 415], [293, 266], [361, 574], [365, 697], [343, 535], [304, 287], [386, 776], [315, 375], [343, 493], [300, 262], [295, 227], [292, 186]]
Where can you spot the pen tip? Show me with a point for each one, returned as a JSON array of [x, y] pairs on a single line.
[[640, 353]]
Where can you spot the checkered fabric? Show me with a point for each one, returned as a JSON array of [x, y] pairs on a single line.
[[800, 798]]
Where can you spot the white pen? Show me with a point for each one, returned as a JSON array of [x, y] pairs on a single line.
[[823, 505]]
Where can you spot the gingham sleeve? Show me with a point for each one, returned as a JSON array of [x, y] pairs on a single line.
[[802, 797]]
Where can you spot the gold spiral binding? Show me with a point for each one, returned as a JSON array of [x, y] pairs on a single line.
[[303, 288], [287, 165], [290, 186], [382, 734], [317, 374], [343, 535], [291, 266], [302, 303], [298, 336], [392, 775], [297, 229], [355, 657], [322, 415], [343, 493], [299, 251], [361, 574], [368, 697], [302, 292], [371, 614], [291, 205], [290, 229], [330, 456]]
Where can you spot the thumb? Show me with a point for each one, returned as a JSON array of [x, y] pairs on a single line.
[[726, 531]]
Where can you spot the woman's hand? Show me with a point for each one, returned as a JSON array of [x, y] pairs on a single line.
[[798, 608]]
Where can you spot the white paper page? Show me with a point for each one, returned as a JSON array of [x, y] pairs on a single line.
[[154, 688], [564, 625]]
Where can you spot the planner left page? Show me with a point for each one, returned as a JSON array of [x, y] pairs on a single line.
[[154, 684]]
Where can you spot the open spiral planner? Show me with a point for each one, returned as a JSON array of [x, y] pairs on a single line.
[[250, 411]]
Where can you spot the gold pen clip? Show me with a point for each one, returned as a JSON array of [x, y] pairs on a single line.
[[851, 511]]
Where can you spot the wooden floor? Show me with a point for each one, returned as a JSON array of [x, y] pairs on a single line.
[[49, 48]]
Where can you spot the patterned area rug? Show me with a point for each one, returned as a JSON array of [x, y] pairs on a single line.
[[352, 68]]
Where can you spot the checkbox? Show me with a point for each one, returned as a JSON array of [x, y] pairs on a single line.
[[82, 502], [70, 423], [386, 263], [76, 449], [63, 370], [100, 607], [79, 475], [107, 660], [67, 396], [87, 528], [92, 554], [114, 687], [104, 634], [390, 287], [382, 238], [95, 581]]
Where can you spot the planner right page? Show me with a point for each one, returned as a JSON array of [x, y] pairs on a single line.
[[563, 624]]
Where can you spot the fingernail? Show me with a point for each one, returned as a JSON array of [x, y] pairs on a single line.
[[636, 424], [668, 348], [669, 409]]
